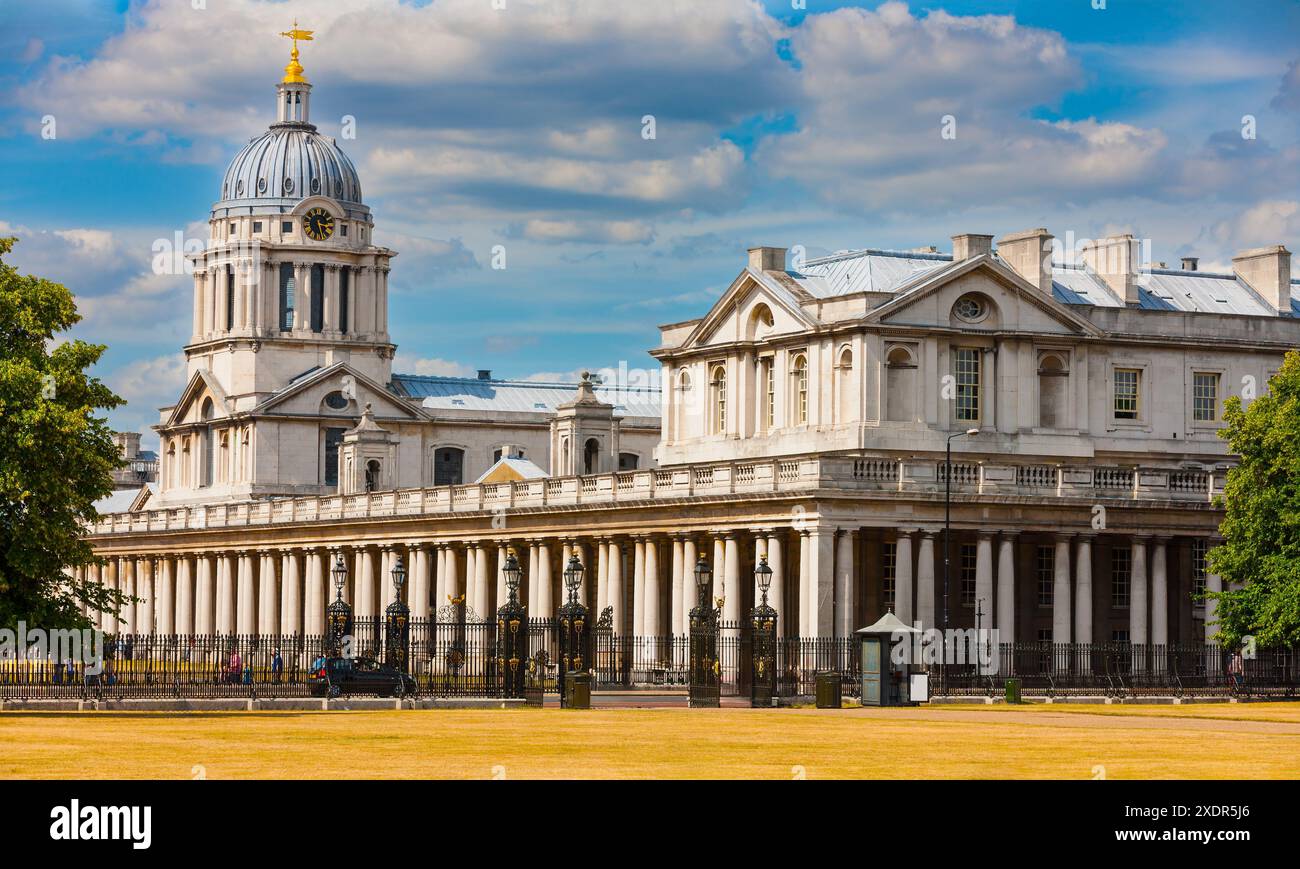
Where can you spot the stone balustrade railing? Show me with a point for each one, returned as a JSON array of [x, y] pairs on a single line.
[[910, 475]]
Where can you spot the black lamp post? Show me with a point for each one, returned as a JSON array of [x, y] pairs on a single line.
[[338, 615], [512, 632], [947, 536], [703, 689], [763, 622], [397, 633], [575, 634]]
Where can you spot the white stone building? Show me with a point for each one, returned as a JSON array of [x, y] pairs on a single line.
[[805, 418]]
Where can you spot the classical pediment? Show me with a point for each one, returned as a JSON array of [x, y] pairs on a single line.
[[306, 396], [188, 408], [755, 306], [1013, 304]]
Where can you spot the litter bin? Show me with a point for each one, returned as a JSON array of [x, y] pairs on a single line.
[[577, 691], [828, 690], [1013, 690]]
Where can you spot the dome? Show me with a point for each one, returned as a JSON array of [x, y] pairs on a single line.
[[285, 165]]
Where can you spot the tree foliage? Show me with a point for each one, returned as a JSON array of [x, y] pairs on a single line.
[[1261, 525], [56, 455]]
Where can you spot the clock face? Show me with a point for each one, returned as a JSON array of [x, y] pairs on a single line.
[[318, 224]]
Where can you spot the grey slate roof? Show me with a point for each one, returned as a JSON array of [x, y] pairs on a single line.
[[884, 271], [517, 396]]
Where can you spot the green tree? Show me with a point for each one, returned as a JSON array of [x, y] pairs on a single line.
[[56, 455], [1261, 524]]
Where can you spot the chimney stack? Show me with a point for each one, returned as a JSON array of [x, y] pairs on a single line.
[[1029, 254], [969, 245], [1267, 271], [767, 259], [1190, 263], [484, 374], [1115, 260]]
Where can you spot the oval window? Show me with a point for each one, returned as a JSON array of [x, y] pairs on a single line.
[[261, 185], [315, 185], [969, 308], [288, 185], [239, 188], [336, 401]]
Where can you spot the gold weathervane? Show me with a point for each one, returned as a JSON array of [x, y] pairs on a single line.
[[293, 72]]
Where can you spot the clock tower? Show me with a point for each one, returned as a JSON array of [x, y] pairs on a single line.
[[291, 280]]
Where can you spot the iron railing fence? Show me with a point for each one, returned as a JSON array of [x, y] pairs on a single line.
[[460, 658], [1124, 669]]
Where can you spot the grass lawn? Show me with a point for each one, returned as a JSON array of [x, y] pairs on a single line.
[[1069, 742]]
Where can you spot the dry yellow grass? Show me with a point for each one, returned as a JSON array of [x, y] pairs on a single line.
[[1255, 741]]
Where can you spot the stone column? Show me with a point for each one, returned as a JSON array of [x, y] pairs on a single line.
[[482, 576], [301, 297], [315, 592], [801, 593], [733, 594], [246, 595], [421, 581], [817, 584], [1137, 602], [903, 576], [984, 578], [145, 589], [545, 592], [228, 593], [1159, 593], [450, 576], [925, 592], [719, 566], [532, 602], [1061, 591], [845, 593], [602, 576], [291, 596], [776, 597], [652, 625], [185, 608], [638, 587], [127, 578], [677, 624], [1083, 590], [1006, 623], [616, 594], [165, 592], [365, 583], [690, 557], [268, 594], [205, 596]]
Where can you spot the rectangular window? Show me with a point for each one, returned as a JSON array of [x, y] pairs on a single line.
[[287, 292], [234, 230], [1046, 575], [333, 438], [257, 226], [286, 227], [1121, 575], [1200, 567], [230, 297], [966, 368], [968, 561], [344, 290], [1205, 397], [1044, 635], [343, 230], [1126, 393], [318, 298], [769, 395], [1118, 636], [889, 567]]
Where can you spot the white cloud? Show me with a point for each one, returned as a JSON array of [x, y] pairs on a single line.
[[431, 367]]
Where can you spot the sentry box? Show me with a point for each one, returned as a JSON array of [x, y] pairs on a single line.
[[885, 682]]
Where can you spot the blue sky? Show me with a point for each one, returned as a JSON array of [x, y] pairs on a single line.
[[523, 127]]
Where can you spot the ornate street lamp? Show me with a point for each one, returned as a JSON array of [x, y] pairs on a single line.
[[704, 672], [338, 615], [512, 632], [397, 621], [762, 619], [575, 635]]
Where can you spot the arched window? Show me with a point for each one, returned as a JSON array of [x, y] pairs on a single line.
[[846, 404], [209, 452], [799, 390], [718, 398], [1053, 378], [372, 475], [591, 456], [900, 386], [448, 466]]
